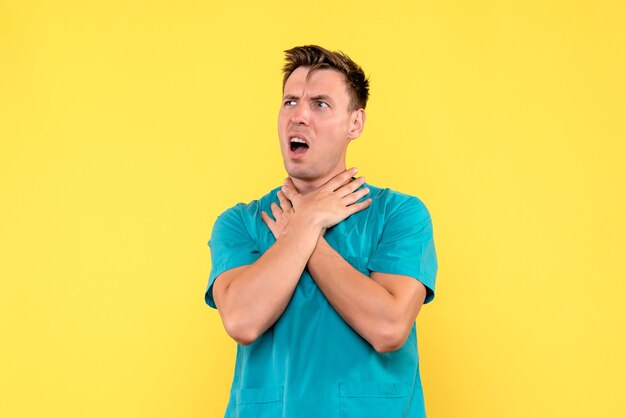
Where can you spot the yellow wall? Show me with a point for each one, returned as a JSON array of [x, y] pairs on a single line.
[[126, 127]]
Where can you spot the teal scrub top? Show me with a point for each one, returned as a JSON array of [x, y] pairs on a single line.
[[310, 363]]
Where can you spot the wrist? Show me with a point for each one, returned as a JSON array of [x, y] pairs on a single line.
[[299, 225]]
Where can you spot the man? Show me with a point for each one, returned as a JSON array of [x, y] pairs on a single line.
[[320, 281]]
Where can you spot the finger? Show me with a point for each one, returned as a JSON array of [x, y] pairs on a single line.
[[269, 222], [357, 207], [276, 210], [285, 204], [289, 190], [354, 197], [350, 187], [339, 180], [267, 219], [289, 182]]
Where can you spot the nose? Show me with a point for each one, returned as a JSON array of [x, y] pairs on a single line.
[[300, 115]]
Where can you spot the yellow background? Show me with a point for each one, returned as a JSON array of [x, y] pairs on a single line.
[[126, 127]]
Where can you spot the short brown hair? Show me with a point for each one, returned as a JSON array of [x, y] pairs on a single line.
[[316, 58]]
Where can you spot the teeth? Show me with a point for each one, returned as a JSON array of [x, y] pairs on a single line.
[[298, 140]]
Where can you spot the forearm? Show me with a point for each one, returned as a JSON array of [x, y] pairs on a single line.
[[368, 307], [254, 297]]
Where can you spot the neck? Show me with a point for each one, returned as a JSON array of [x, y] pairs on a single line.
[[305, 186]]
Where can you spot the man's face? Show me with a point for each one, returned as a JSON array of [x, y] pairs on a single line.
[[315, 125]]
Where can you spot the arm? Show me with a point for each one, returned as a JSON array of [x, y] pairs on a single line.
[[382, 309], [251, 298]]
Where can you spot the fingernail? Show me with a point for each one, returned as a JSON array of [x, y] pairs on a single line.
[[355, 170]]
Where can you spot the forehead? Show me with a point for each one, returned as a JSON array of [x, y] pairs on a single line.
[[323, 81]]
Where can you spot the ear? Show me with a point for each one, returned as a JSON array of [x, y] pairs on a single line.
[[357, 122]]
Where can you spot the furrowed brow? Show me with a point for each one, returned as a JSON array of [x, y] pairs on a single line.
[[322, 97]]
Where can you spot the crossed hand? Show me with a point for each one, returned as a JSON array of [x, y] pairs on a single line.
[[325, 207]]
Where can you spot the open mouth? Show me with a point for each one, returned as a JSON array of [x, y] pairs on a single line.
[[298, 145]]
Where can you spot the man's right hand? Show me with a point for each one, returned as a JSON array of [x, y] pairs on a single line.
[[282, 214], [251, 298]]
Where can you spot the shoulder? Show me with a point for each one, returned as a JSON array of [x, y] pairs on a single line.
[[242, 211], [393, 203], [243, 218]]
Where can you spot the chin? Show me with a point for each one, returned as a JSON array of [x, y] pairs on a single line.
[[299, 173]]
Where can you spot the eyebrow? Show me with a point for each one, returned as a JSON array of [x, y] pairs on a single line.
[[324, 97]]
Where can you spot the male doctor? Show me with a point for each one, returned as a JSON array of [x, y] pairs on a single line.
[[320, 281]]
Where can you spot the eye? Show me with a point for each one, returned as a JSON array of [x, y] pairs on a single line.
[[289, 103], [321, 104]]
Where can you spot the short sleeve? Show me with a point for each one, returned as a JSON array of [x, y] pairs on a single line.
[[231, 246], [407, 246]]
